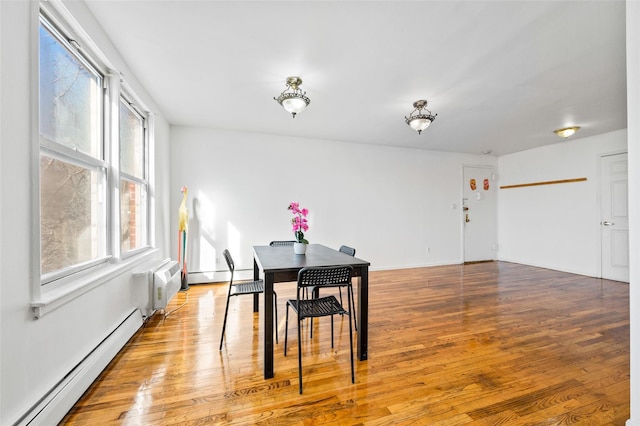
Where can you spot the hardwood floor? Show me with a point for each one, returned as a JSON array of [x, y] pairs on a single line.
[[481, 344]]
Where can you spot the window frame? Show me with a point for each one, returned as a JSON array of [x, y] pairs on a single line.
[[126, 98], [49, 277], [52, 290], [75, 157], [64, 37]]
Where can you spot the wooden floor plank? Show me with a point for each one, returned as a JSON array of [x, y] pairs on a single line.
[[481, 344]]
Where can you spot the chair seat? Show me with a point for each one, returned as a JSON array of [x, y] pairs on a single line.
[[250, 287], [320, 307]]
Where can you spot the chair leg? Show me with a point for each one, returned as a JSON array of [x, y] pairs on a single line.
[[332, 331], [353, 305], [286, 329], [314, 294], [224, 322], [299, 355]]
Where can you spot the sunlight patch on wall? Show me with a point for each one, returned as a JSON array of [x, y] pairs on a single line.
[[206, 253], [233, 243]]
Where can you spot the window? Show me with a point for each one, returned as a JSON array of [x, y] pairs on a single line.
[[77, 194], [72, 169], [133, 183]]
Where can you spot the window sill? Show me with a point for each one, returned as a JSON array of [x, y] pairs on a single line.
[[53, 298]]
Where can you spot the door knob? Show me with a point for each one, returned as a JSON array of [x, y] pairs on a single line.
[[607, 223]]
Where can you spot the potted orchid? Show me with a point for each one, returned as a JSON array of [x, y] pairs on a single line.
[[299, 227]]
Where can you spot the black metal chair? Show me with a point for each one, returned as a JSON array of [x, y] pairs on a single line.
[[320, 277], [351, 252], [281, 243], [239, 289]]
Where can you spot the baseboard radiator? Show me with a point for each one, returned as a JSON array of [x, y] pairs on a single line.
[[58, 401]]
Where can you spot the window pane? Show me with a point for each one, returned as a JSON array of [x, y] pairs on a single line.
[[131, 142], [71, 214], [70, 98], [133, 215]]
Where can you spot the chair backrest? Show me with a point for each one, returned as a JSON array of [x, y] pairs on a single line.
[[281, 243], [348, 250], [230, 264], [324, 276]]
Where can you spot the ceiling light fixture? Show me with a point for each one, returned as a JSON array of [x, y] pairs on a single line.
[[566, 132], [422, 119], [292, 98]]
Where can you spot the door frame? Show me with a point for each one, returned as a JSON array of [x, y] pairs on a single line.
[[494, 180], [599, 202]]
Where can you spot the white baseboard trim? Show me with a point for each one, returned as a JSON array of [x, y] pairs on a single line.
[[58, 401], [205, 277], [550, 267]]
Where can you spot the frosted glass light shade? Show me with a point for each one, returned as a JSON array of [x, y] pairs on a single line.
[[566, 132], [294, 105], [419, 124]]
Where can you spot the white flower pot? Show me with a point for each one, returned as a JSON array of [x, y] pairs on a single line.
[[299, 248]]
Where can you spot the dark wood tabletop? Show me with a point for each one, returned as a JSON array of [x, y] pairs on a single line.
[[283, 259]]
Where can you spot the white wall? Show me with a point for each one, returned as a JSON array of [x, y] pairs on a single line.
[[37, 354], [554, 226], [633, 112], [388, 203]]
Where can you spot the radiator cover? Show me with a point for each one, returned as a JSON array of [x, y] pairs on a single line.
[[166, 283]]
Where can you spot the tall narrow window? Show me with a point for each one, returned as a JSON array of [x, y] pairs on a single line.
[[133, 179], [72, 167]]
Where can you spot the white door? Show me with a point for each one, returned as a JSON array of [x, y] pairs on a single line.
[[479, 213], [614, 219]]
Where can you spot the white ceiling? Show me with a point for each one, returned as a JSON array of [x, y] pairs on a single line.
[[501, 75]]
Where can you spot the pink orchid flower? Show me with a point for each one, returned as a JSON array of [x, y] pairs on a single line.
[[299, 222]]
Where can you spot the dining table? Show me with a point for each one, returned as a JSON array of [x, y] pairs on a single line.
[[280, 264]]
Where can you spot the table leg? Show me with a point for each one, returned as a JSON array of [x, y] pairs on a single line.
[[363, 314], [268, 325], [256, 277]]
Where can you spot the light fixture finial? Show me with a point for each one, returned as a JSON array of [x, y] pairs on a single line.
[[422, 119], [292, 98]]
